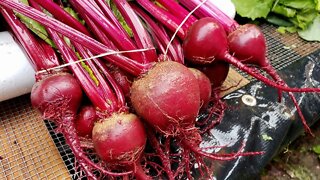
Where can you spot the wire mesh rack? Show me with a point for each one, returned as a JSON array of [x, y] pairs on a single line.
[[27, 151], [31, 149]]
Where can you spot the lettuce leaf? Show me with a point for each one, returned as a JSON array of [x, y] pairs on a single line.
[[284, 11], [298, 4], [301, 14], [254, 8], [312, 33]]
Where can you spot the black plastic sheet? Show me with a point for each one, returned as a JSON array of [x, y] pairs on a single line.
[[267, 125]]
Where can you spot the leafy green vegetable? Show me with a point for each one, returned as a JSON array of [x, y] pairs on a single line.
[[317, 5], [290, 29], [254, 8], [278, 21], [298, 4], [291, 15], [285, 11], [304, 18]]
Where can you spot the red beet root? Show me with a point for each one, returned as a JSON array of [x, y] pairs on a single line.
[[120, 141], [167, 97], [85, 121], [59, 93], [58, 98], [249, 45], [217, 72], [204, 86], [207, 41], [124, 128], [199, 47]]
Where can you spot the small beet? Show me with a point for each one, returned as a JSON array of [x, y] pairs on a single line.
[[217, 72], [204, 86], [59, 93], [85, 121], [119, 139], [205, 42], [248, 44]]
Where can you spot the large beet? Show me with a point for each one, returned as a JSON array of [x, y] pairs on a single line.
[[167, 97]]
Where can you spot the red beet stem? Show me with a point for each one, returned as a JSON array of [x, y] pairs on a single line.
[[232, 60], [140, 34], [176, 9], [121, 41], [160, 36], [131, 66], [166, 18], [109, 14], [61, 14], [271, 71], [163, 157], [139, 172], [219, 157]]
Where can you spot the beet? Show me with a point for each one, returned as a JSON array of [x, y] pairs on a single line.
[[85, 121], [59, 93], [58, 98], [167, 97], [204, 86], [119, 139], [204, 43], [217, 72], [248, 44]]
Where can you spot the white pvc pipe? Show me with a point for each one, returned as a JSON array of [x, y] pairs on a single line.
[[16, 73], [225, 6]]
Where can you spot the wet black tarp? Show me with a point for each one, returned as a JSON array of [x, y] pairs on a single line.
[[268, 125]]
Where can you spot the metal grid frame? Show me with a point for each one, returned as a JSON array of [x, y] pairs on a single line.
[[26, 149]]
